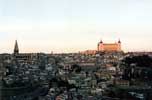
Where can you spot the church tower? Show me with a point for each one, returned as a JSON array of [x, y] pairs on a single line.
[[16, 49]]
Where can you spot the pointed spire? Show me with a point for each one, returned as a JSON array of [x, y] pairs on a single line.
[[16, 49]]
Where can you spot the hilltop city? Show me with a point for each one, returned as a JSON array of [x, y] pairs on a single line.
[[106, 73]]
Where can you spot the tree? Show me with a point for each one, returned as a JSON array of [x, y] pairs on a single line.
[[140, 61], [76, 68]]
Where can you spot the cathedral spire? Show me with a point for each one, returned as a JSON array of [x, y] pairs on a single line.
[[16, 49]]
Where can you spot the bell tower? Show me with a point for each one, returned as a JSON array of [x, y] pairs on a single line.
[[16, 49]]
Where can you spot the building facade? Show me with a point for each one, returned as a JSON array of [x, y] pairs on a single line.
[[109, 47]]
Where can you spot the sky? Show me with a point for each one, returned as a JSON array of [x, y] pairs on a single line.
[[74, 25]]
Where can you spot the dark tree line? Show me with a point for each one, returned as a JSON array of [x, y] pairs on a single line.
[[141, 70], [140, 61]]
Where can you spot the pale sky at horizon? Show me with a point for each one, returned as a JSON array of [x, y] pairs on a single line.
[[74, 25]]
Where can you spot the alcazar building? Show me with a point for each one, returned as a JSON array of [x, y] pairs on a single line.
[[105, 47], [109, 47]]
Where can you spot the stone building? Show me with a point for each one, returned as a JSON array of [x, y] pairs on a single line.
[[109, 47]]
